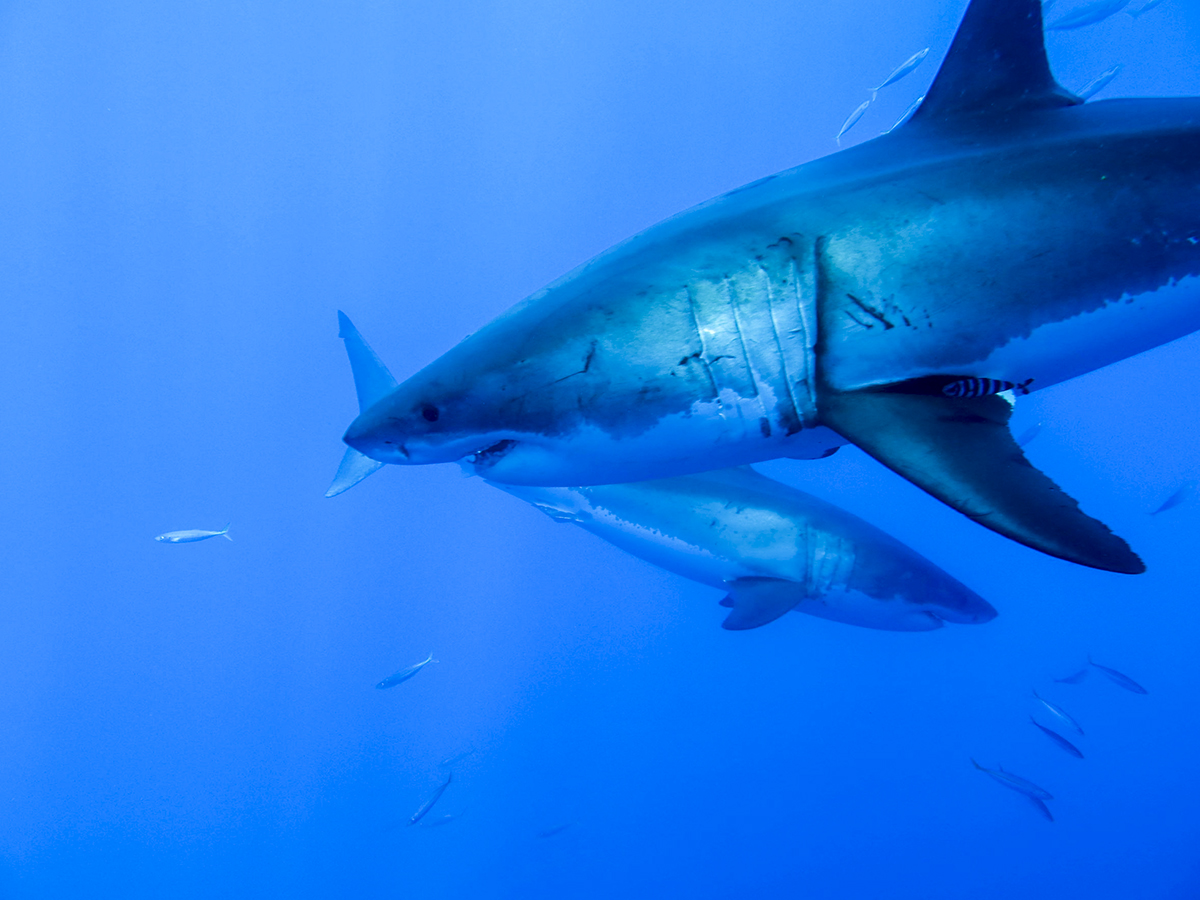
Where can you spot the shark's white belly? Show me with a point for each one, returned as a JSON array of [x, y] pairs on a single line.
[[1062, 350]]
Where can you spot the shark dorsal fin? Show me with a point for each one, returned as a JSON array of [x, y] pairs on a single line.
[[996, 65], [372, 380]]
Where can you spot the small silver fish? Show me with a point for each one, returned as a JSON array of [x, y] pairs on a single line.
[[901, 70], [191, 535], [428, 804], [1088, 14], [1029, 434], [1058, 739], [852, 120], [1057, 711], [1041, 807], [1099, 83], [1145, 8], [908, 114], [1181, 495], [405, 674], [1015, 782], [438, 821], [1073, 679], [451, 761], [555, 830], [1123, 680]]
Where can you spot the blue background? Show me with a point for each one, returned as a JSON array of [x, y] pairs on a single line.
[[190, 190]]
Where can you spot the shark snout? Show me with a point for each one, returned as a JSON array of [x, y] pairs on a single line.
[[367, 437]]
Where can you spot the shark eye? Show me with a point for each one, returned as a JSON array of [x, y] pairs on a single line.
[[429, 412]]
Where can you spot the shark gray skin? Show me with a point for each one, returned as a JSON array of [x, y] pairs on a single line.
[[1007, 231], [774, 548]]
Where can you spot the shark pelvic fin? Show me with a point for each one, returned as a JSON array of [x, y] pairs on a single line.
[[961, 451], [372, 380], [353, 469], [756, 601], [996, 65]]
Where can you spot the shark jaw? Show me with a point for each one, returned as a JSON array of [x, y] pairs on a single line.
[[588, 455]]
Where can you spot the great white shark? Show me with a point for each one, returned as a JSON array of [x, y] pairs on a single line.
[[774, 548], [1007, 235]]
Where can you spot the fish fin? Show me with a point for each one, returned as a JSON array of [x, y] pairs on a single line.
[[353, 468], [1041, 807], [372, 380], [225, 531], [996, 65], [726, 602], [757, 601], [961, 451]]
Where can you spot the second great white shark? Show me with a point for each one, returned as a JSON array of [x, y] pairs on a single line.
[[1007, 231]]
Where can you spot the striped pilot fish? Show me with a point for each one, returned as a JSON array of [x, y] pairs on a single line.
[[977, 387]]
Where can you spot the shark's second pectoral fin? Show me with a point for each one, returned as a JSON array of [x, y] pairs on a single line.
[[961, 451], [756, 601], [353, 469]]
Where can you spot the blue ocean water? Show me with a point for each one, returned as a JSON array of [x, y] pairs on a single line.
[[192, 190]]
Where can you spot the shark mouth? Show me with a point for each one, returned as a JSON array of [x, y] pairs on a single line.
[[489, 456]]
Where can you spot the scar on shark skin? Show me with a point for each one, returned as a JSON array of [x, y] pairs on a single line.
[[873, 313], [587, 364]]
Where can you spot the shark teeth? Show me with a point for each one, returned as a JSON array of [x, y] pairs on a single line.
[[489, 456]]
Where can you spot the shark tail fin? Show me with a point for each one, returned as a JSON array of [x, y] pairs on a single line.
[[960, 450], [225, 531], [996, 65]]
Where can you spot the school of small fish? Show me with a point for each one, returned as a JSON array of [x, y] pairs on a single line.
[[1038, 796], [1080, 16]]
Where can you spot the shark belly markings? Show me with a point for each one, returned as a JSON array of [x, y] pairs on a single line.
[[1121, 328]]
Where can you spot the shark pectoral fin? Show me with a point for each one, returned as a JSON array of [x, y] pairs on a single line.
[[757, 601], [353, 469], [961, 451]]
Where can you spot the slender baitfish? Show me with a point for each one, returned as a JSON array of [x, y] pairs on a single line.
[[405, 674], [191, 535], [1099, 83], [1058, 739], [901, 70], [1145, 7], [908, 113], [1015, 782], [1088, 14], [1123, 680], [1057, 711], [1029, 434], [428, 804], [1180, 496], [1073, 679], [1041, 807], [852, 119]]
